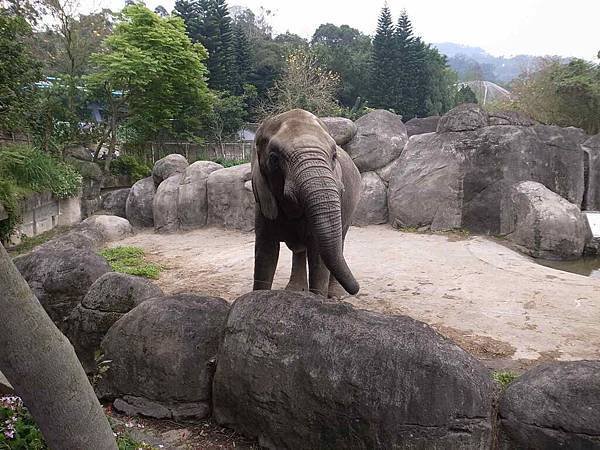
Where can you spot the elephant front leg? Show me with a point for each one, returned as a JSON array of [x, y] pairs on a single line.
[[266, 255], [298, 277], [318, 273]]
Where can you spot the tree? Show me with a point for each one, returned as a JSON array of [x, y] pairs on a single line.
[[346, 51], [304, 84], [19, 72], [243, 59], [465, 95], [227, 117], [384, 63], [153, 76], [42, 366]]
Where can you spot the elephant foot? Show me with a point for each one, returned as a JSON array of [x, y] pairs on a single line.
[[336, 291], [298, 287]]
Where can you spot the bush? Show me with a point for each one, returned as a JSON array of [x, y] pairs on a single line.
[[24, 170], [130, 260], [130, 165], [230, 162]]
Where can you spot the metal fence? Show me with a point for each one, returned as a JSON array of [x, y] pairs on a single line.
[[153, 151]]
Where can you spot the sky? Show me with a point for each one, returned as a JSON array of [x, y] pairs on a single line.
[[502, 28]]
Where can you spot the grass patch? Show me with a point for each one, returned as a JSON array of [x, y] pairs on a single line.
[[29, 243], [130, 260], [504, 377]]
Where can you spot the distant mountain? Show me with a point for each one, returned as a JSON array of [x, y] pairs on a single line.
[[474, 63]]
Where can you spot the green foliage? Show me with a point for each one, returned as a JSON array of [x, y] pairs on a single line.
[[465, 95], [153, 74], [29, 243], [130, 260], [383, 62], [18, 431], [504, 377], [131, 166], [23, 170], [230, 162]]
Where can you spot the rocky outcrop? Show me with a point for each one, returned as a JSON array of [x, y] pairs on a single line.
[[300, 371], [61, 272], [167, 167], [192, 198], [162, 356], [108, 299], [107, 228], [510, 118], [422, 125], [379, 140], [465, 117], [543, 224], [164, 206], [92, 179], [372, 206], [554, 405], [230, 198], [342, 130], [455, 179], [115, 201], [138, 208], [591, 148]]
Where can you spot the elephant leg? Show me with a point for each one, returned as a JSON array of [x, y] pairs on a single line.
[[318, 274], [298, 277], [266, 255], [335, 289]]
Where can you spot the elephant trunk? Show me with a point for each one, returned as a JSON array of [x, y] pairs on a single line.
[[318, 191]]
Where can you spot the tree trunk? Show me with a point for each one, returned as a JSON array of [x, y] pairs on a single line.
[[40, 363], [113, 142]]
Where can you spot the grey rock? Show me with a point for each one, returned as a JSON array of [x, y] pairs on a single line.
[[132, 406], [5, 387], [230, 198], [380, 138], [163, 351], [167, 167], [422, 125], [109, 228], [60, 275], [372, 206], [91, 186], [79, 152], [510, 118], [452, 180], [109, 297], [543, 224], [386, 172], [114, 202], [164, 207], [138, 208], [591, 148], [554, 405], [192, 199], [342, 130], [300, 371], [464, 117]]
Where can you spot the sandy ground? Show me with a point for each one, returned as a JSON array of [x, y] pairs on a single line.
[[497, 304]]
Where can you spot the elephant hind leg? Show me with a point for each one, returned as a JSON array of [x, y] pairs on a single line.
[[298, 281]]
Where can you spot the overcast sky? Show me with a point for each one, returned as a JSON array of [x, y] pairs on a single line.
[[507, 27]]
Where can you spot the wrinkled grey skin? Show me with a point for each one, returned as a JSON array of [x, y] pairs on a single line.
[[306, 190]]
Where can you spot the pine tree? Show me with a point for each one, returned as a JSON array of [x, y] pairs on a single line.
[[189, 11], [243, 59], [383, 64], [465, 95], [411, 69]]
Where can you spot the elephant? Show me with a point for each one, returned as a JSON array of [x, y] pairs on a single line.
[[306, 190]]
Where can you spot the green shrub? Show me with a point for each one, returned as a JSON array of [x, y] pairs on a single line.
[[130, 165], [130, 260], [230, 162], [504, 377], [24, 170]]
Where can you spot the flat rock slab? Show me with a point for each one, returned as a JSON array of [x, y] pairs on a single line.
[[493, 301]]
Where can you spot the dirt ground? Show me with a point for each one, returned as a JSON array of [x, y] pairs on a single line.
[[501, 306]]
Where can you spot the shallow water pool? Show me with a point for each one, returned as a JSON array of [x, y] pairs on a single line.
[[589, 267]]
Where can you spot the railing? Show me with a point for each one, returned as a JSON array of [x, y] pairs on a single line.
[[154, 151]]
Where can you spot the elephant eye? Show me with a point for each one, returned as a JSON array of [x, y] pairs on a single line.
[[273, 162]]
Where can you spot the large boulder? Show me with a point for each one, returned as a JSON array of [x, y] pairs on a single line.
[[342, 130], [167, 167], [542, 223], [372, 206], [380, 138], [114, 202], [591, 148], [138, 208], [164, 205], [108, 299], [510, 118], [192, 199], [459, 179], [230, 198], [60, 274], [554, 405], [464, 117], [299, 371], [162, 356], [109, 228], [422, 125], [91, 185]]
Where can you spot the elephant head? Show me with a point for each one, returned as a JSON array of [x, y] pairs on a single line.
[[295, 175]]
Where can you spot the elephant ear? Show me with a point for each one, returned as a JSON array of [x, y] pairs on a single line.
[[338, 171], [262, 193]]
